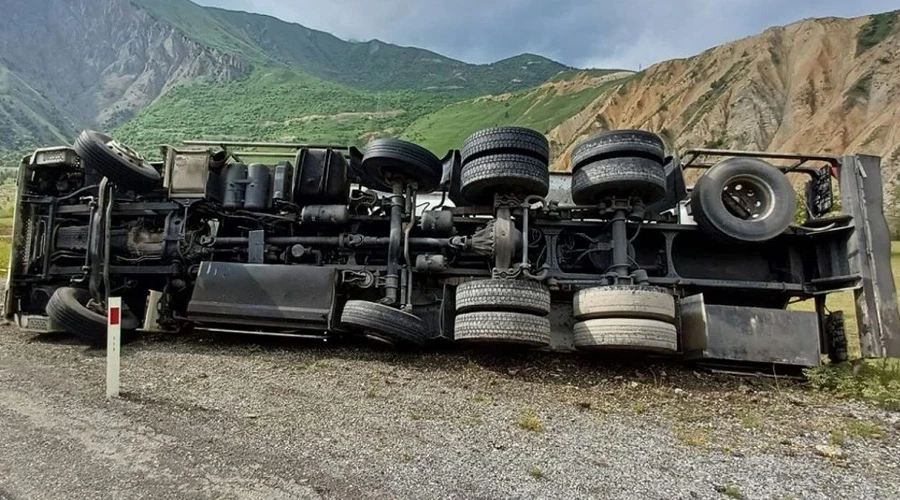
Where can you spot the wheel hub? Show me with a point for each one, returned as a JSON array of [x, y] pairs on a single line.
[[125, 152], [748, 198]]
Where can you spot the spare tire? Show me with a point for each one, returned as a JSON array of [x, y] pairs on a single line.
[[389, 159], [743, 200], [500, 140], [504, 174], [619, 177], [68, 307], [618, 144], [503, 295], [384, 323], [121, 164]]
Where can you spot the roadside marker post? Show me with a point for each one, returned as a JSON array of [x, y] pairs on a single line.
[[113, 344]]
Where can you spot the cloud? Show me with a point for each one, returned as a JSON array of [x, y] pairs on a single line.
[[581, 33]]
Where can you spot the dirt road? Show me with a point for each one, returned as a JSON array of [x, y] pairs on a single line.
[[221, 417]]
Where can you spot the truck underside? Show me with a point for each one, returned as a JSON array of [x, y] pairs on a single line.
[[482, 246]]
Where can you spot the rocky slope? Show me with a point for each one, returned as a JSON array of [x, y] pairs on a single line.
[[100, 61], [818, 86]]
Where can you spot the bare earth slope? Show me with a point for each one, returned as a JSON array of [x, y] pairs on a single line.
[[810, 86]]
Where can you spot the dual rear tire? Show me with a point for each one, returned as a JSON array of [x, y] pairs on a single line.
[[624, 317], [504, 160], [619, 164], [504, 312]]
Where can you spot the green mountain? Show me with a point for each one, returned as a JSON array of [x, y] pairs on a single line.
[[376, 65], [27, 117], [185, 70], [277, 104]]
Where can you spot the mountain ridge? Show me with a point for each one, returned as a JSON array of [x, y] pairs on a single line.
[[99, 62]]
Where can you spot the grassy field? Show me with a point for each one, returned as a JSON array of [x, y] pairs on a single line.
[[541, 109], [7, 202], [296, 107]]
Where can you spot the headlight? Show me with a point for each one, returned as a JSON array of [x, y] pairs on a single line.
[[64, 156]]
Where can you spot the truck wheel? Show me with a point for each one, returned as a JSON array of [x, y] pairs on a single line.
[[68, 307], [618, 144], [623, 301], [621, 177], [504, 174], [389, 159], [743, 200], [384, 323], [500, 140], [502, 327], [118, 162], [626, 334], [837, 337], [503, 295]]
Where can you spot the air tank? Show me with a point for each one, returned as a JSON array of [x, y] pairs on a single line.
[[257, 196]]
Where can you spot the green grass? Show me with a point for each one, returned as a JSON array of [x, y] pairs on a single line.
[[879, 27], [276, 104], [733, 492], [859, 92], [536, 472], [529, 420], [873, 380], [27, 117], [541, 109], [5, 245], [201, 25]]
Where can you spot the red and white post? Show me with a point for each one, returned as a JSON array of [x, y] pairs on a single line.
[[113, 344]]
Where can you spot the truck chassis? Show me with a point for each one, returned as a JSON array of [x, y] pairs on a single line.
[[483, 246]]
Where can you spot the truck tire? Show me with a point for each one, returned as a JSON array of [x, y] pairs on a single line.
[[837, 337], [501, 140], [384, 323], [618, 144], [502, 327], [504, 174], [386, 159], [67, 307], [623, 301], [743, 200], [503, 295], [626, 334], [121, 164], [620, 177]]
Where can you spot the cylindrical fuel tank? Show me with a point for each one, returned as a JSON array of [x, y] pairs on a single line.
[[235, 185], [257, 197]]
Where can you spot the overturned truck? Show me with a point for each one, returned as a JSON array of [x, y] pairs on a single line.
[[482, 246]]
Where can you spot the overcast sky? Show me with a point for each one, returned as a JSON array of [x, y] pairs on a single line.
[[583, 33]]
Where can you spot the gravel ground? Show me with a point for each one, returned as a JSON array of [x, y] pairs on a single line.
[[210, 416]]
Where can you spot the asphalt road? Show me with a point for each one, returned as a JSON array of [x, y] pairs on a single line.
[[222, 417]]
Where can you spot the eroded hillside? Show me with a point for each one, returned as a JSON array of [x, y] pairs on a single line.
[[819, 86]]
